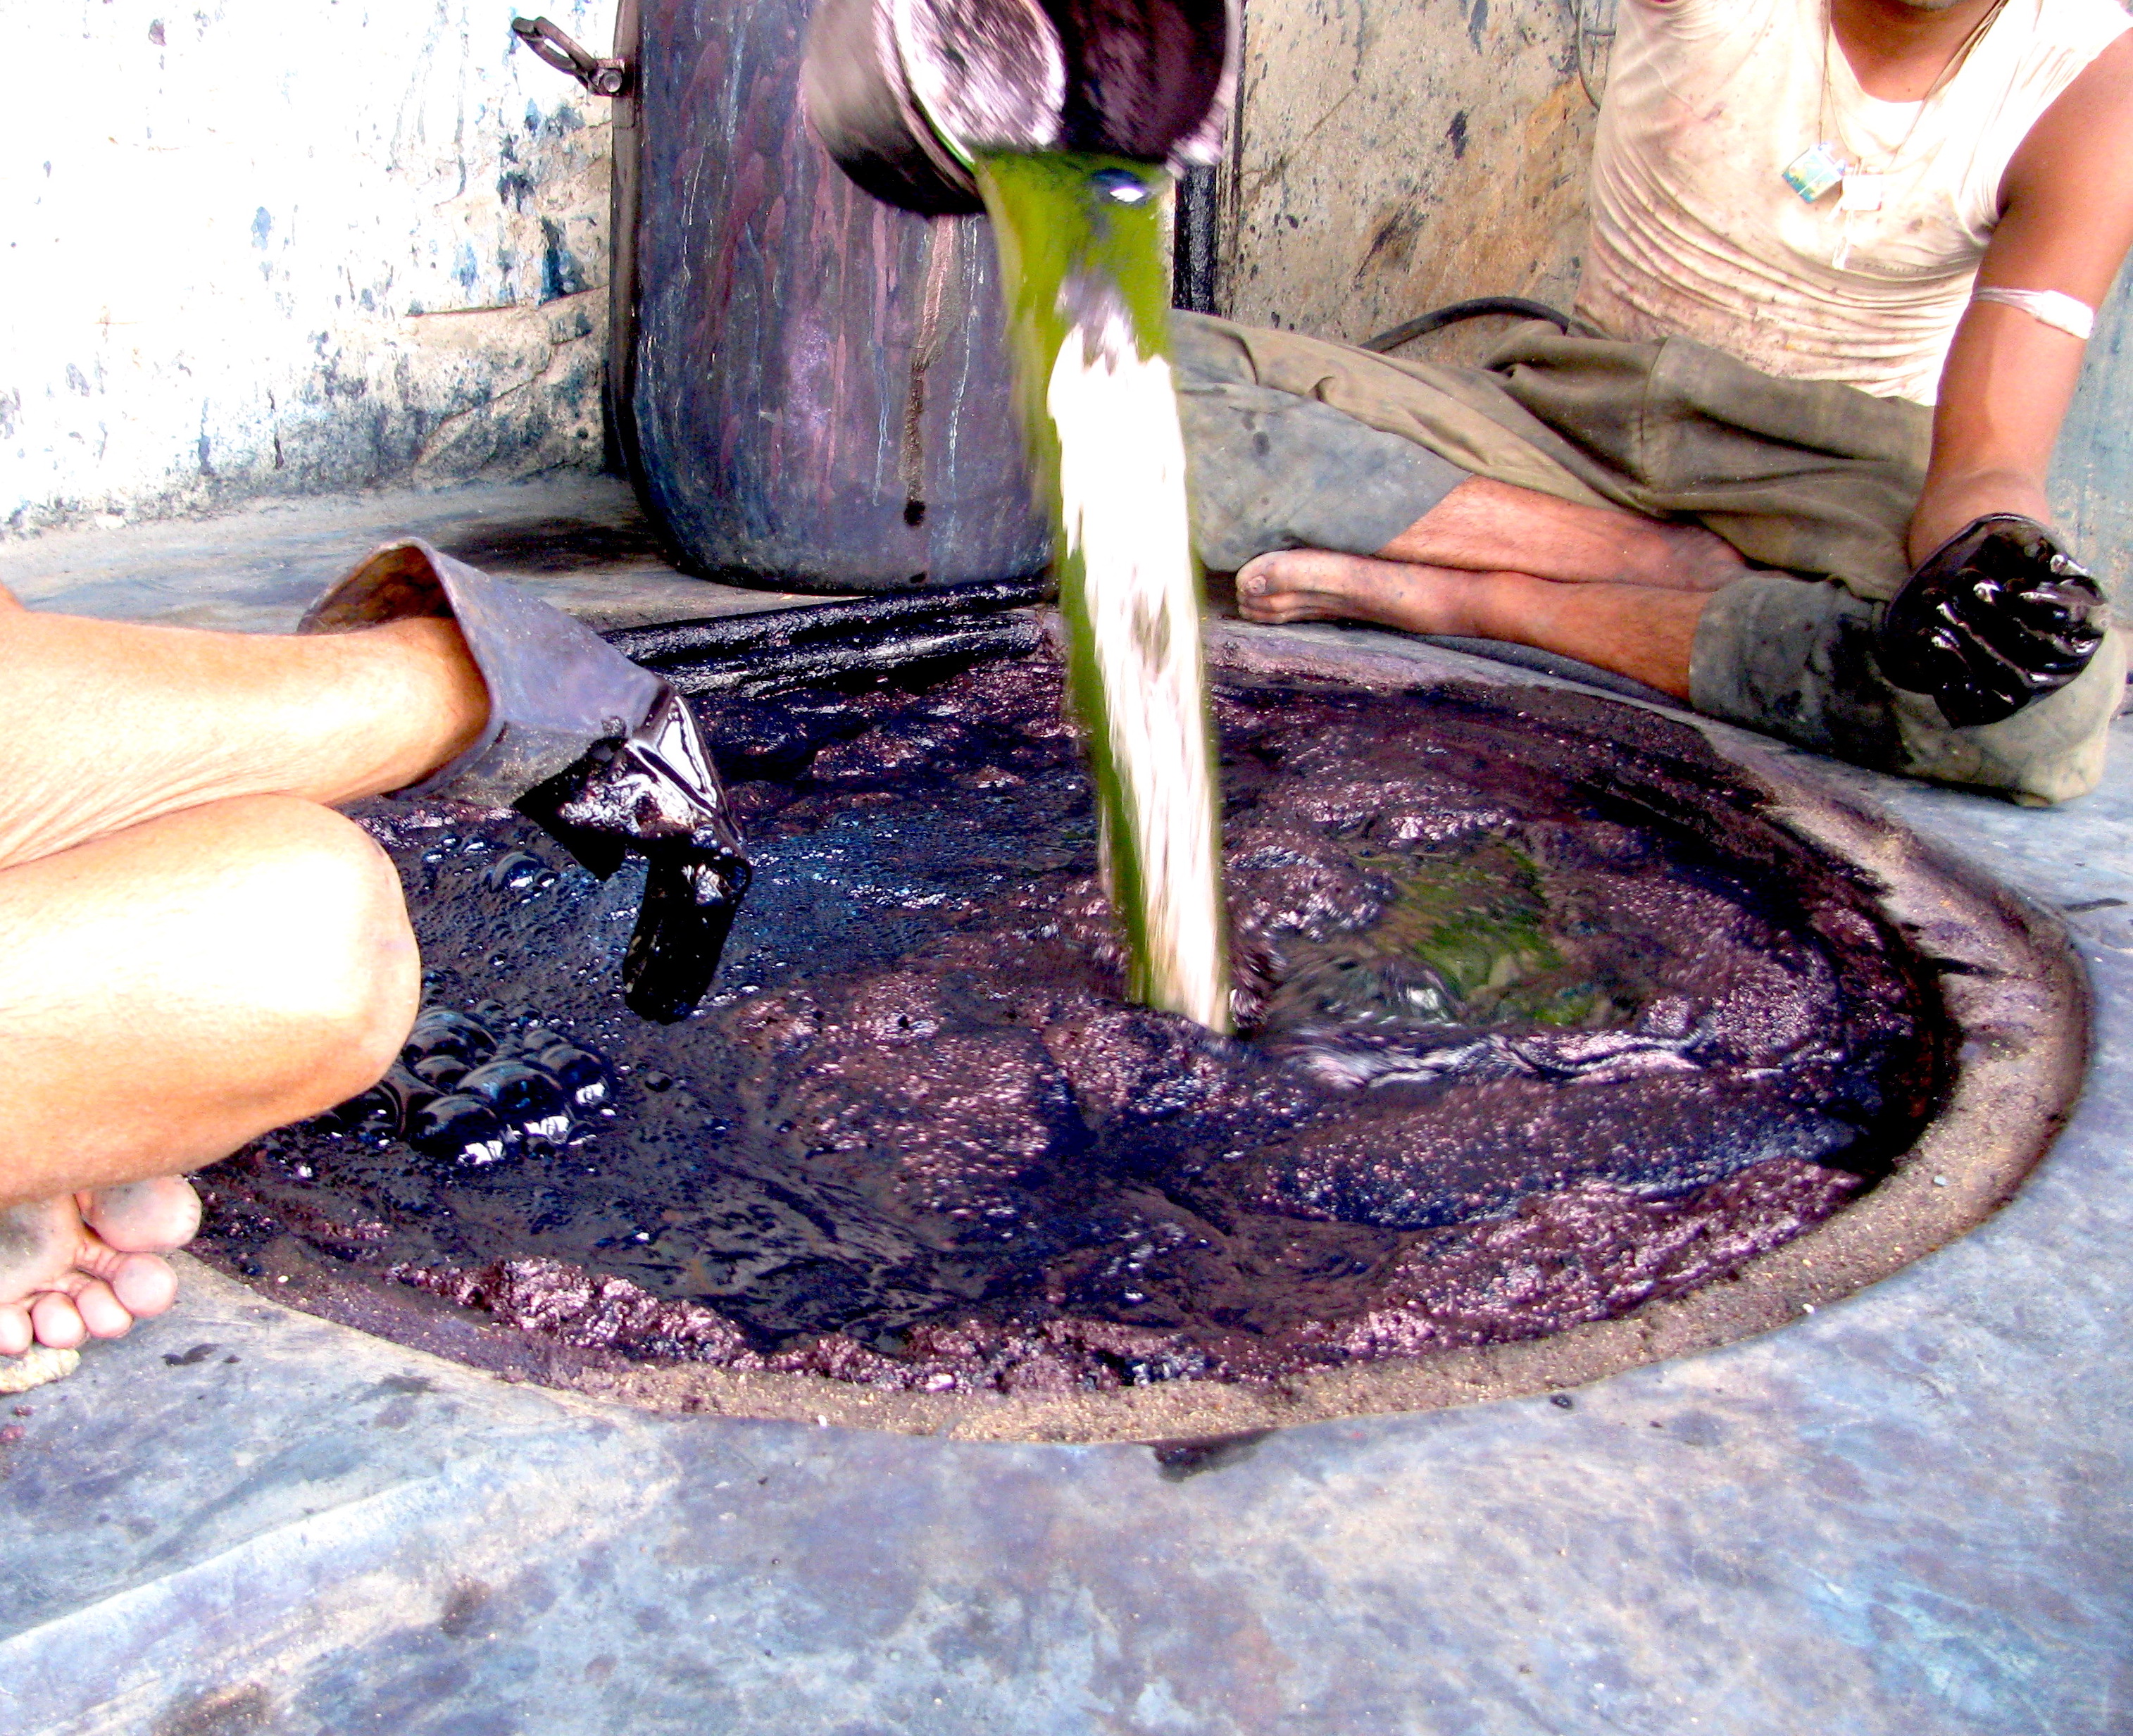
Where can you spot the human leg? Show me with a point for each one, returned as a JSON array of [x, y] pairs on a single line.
[[108, 723], [1787, 657], [1641, 631], [1489, 529], [1282, 468], [1487, 526], [1805, 477], [173, 990], [1326, 518], [1490, 561], [168, 992]]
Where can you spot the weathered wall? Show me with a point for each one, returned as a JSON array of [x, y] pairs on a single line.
[[259, 248], [2092, 481], [1390, 158]]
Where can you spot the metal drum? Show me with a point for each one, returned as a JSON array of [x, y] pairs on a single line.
[[815, 395]]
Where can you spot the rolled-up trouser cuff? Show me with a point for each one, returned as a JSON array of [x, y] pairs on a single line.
[[1794, 657], [1270, 471]]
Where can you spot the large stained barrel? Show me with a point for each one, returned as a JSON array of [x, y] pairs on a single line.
[[817, 386]]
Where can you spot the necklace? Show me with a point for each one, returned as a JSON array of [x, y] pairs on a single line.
[[1828, 164]]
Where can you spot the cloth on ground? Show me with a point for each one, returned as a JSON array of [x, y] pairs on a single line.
[[1812, 478]]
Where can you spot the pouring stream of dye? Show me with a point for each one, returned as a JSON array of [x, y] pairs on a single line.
[[1082, 247]]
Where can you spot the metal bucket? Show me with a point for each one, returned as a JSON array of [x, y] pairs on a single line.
[[810, 386], [902, 92]]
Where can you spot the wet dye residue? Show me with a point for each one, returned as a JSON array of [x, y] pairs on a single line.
[[1539, 1016]]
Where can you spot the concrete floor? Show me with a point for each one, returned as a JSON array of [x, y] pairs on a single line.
[[1908, 1513], [577, 538]]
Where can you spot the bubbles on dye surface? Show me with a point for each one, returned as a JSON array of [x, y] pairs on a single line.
[[440, 1030], [462, 1129], [379, 1108], [462, 1094], [528, 1097], [517, 871], [578, 1072]]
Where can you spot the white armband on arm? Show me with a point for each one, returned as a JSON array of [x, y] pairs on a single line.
[[2062, 313]]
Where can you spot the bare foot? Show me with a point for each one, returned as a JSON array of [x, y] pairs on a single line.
[[1647, 632], [85, 1265], [1315, 585]]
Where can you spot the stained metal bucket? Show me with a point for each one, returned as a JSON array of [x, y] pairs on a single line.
[[903, 93]]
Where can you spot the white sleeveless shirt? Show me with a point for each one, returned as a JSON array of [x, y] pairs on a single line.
[[1694, 230]]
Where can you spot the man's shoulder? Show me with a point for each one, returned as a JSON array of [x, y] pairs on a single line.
[[2099, 14], [2083, 28]]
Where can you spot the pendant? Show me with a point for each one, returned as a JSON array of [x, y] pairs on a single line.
[[1842, 259], [1813, 172], [1861, 192]]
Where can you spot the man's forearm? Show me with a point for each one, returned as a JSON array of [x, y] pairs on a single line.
[[1952, 500], [2003, 394], [104, 725]]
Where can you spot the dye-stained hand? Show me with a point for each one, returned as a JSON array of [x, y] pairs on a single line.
[[1998, 616], [603, 754], [655, 793]]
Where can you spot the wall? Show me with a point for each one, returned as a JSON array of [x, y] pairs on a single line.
[[1389, 158], [259, 248]]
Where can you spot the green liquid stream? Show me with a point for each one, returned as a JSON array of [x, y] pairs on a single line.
[[1082, 244]]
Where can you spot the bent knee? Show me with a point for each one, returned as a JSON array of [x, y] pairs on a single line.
[[1794, 657], [172, 990], [2050, 751], [318, 950]]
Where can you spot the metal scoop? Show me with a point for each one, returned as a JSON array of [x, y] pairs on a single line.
[[905, 93]]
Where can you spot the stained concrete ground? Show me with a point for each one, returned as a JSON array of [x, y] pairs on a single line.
[[1907, 1513]]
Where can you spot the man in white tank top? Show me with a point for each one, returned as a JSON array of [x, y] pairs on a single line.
[[1899, 214], [1696, 229]]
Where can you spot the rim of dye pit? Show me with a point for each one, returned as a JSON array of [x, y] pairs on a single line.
[[2012, 986]]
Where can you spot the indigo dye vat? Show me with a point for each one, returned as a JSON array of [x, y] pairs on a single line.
[[1543, 1017]]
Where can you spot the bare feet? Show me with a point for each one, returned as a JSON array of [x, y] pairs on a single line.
[[85, 1265], [1315, 585], [1645, 632]]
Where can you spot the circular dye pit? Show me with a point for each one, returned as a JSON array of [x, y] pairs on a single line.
[[1551, 1016]]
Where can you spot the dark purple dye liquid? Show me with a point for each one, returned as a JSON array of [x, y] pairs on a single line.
[[1541, 1017]]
